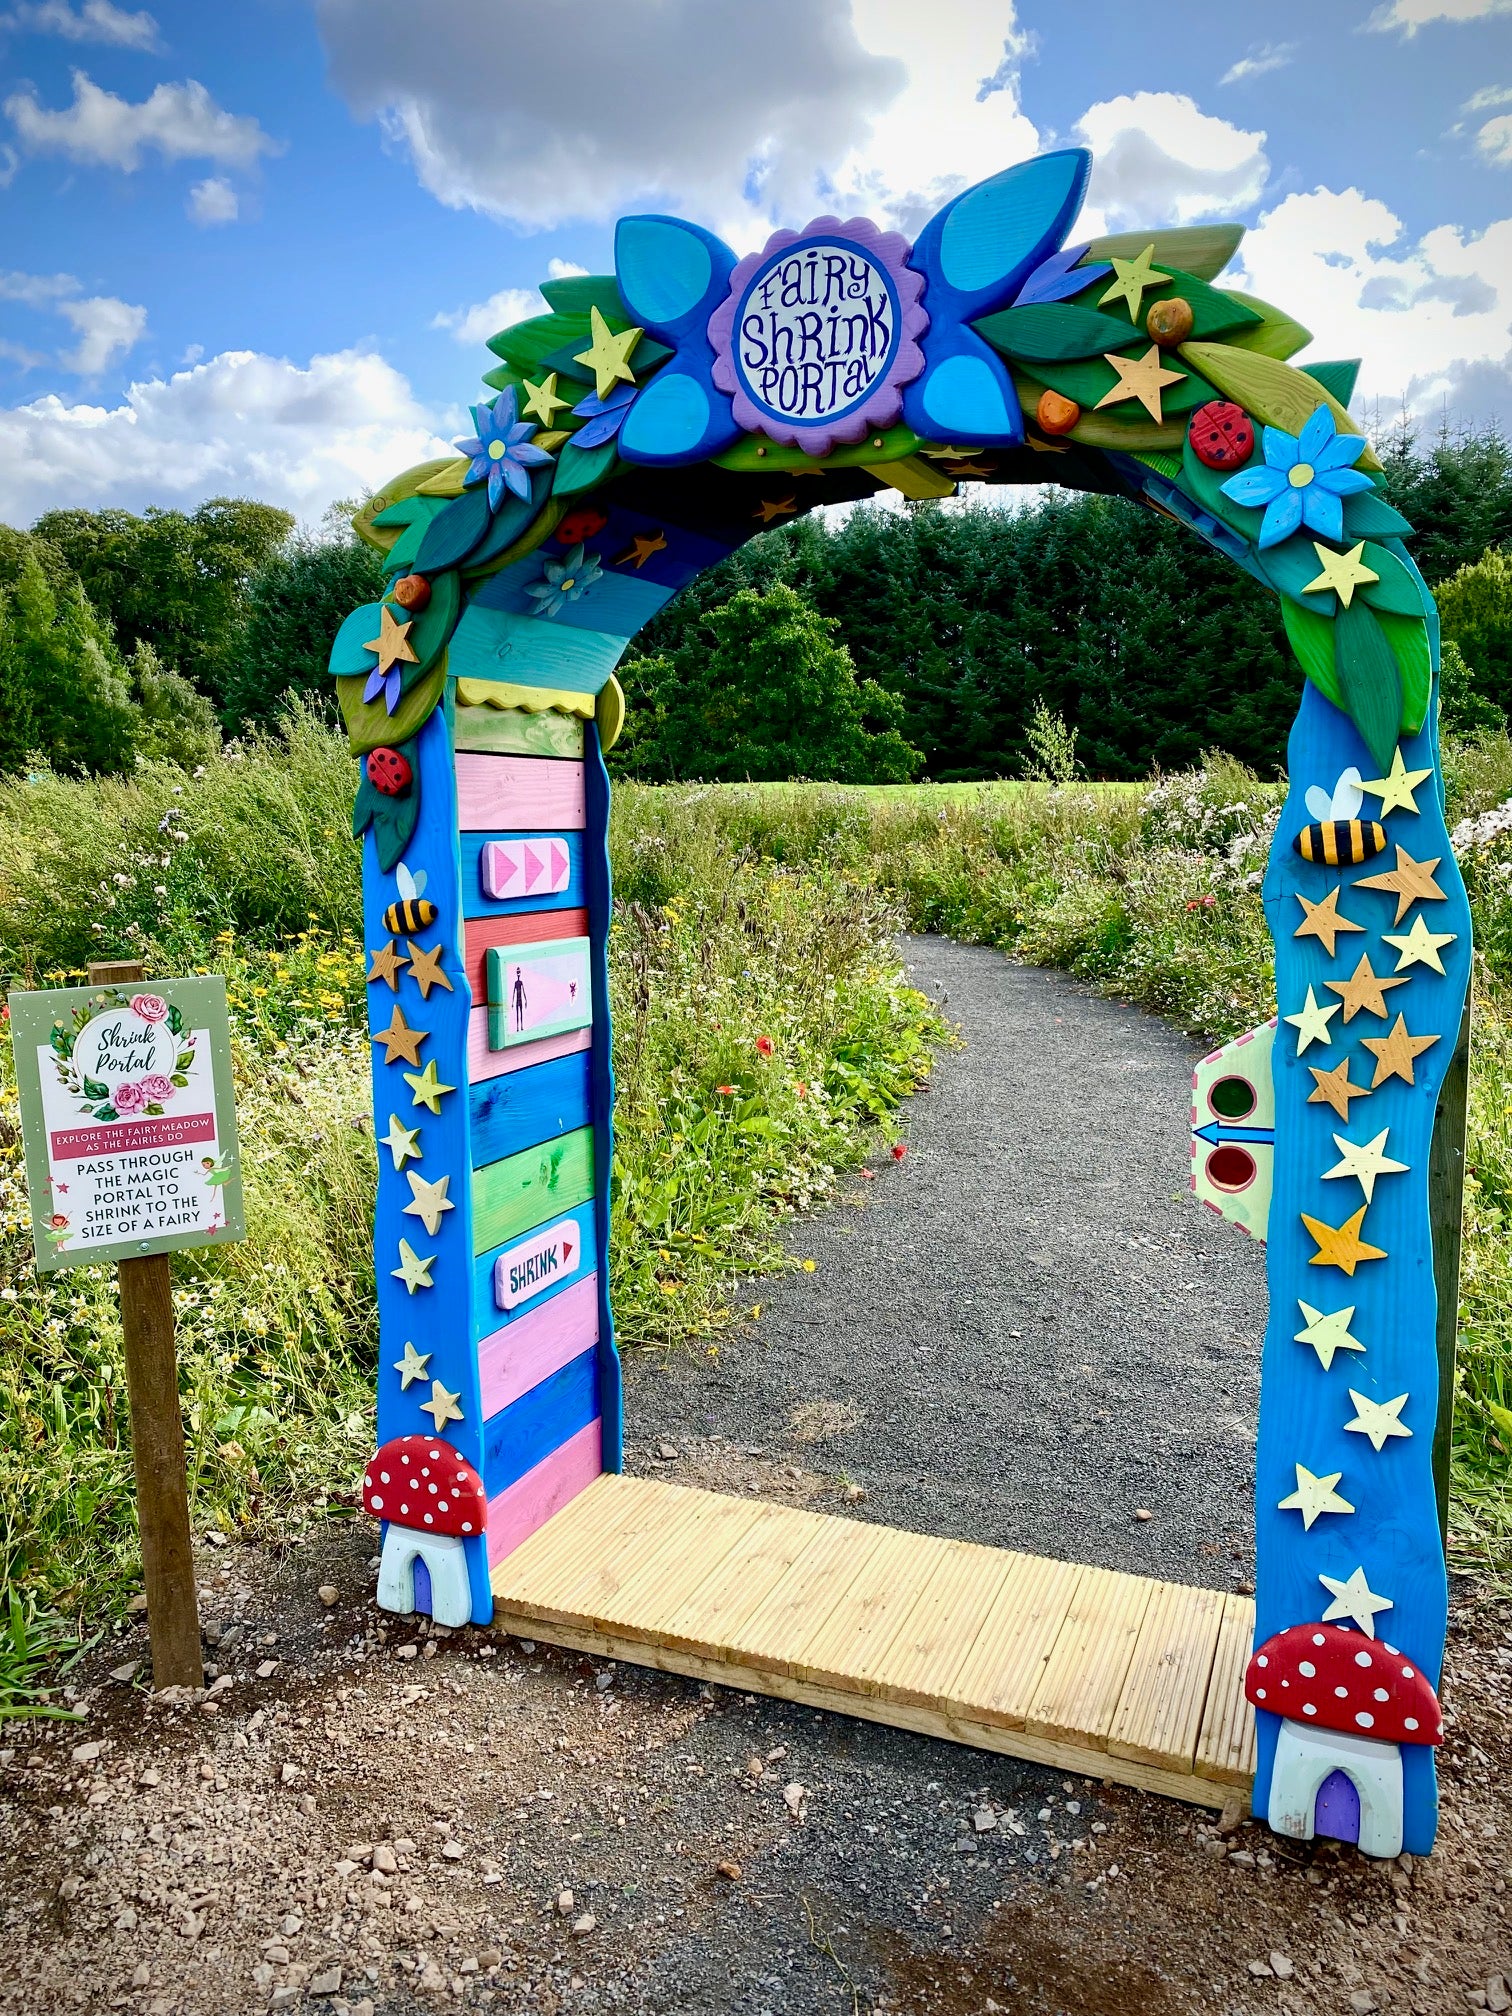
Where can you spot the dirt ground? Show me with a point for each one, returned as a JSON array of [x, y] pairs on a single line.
[[360, 1817]]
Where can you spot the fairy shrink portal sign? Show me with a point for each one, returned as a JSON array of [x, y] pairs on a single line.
[[127, 1117]]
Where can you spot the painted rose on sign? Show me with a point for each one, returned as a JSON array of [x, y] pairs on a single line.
[[120, 1059]]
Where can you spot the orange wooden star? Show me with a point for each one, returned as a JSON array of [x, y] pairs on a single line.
[[1410, 882], [773, 508], [1332, 1088], [1341, 1245], [399, 1040], [1363, 989], [1394, 1052], [392, 642], [640, 550], [425, 968], [1322, 920], [387, 965]]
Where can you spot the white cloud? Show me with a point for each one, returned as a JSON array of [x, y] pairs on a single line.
[[485, 318], [181, 122], [95, 21], [1494, 141], [36, 290], [1408, 16], [1158, 160], [107, 328], [213, 201], [1259, 60], [240, 423]]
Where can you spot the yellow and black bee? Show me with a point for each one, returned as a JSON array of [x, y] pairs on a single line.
[[413, 911], [1337, 836]]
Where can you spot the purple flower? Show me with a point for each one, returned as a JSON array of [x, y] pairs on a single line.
[[1304, 480], [503, 449], [156, 1087]]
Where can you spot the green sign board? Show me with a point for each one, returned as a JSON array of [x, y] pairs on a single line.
[[127, 1119]]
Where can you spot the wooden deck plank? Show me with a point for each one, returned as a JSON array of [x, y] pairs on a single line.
[[874, 1606], [772, 1634], [1002, 1672], [574, 1531], [701, 1533], [714, 1610], [1226, 1745], [1159, 1717], [943, 1626], [640, 1524], [1084, 1676]]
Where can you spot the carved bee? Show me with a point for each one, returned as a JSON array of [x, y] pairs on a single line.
[[1337, 836], [412, 912]]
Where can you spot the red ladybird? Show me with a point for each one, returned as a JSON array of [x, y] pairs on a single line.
[[389, 772], [1222, 435], [585, 522]]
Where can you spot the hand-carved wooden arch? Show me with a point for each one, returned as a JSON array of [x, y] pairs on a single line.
[[646, 425]]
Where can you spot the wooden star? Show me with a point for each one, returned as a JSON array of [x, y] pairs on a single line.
[[392, 642], [1378, 1419], [399, 1040], [969, 469], [441, 1406], [425, 969], [1362, 1159], [1327, 1334], [1332, 1088], [1141, 378], [401, 1142], [772, 508], [429, 1091], [1133, 278], [541, 401], [1342, 572], [1043, 447], [411, 1366], [1322, 920], [1410, 882], [428, 1201], [412, 1270], [1394, 1052], [1341, 1245], [1311, 1021], [640, 550], [387, 965], [608, 355], [1354, 1599], [1418, 947], [1314, 1496], [1397, 789], [1361, 990]]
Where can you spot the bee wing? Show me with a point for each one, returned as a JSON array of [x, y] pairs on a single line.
[[1347, 795], [411, 887], [1318, 802]]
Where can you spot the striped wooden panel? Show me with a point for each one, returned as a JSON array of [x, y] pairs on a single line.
[[477, 903], [484, 1063], [519, 794], [527, 1431], [704, 1532], [511, 732], [516, 927], [577, 1536], [541, 1339], [528, 1107], [488, 1316], [1159, 1717], [524, 1190], [538, 1498], [641, 1527], [875, 1605]]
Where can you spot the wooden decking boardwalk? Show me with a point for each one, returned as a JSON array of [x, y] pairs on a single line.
[[1107, 1675]]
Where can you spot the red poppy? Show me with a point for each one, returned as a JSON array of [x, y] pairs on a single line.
[[727, 1090], [764, 1045], [1202, 903], [899, 1150]]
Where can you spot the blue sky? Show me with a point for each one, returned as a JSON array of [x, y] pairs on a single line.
[[255, 248]]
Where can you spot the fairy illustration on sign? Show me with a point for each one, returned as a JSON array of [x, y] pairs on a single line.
[[518, 997]]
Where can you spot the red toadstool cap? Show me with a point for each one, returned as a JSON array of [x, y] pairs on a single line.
[[1322, 1673], [419, 1481]]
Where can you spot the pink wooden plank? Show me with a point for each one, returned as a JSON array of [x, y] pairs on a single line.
[[529, 1350], [514, 794], [541, 1493], [485, 1063]]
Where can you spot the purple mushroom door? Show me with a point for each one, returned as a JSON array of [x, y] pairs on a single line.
[[1337, 1813]]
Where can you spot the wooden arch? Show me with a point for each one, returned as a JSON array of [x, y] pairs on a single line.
[[646, 425]]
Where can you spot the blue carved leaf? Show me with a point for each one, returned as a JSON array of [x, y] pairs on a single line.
[[989, 239], [671, 274]]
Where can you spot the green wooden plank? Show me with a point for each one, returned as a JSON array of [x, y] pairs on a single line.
[[524, 1190], [513, 733]]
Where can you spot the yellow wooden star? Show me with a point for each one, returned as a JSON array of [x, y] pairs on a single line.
[[412, 1270], [1311, 1021], [1141, 378], [1418, 947], [642, 546], [1355, 1599], [1043, 447], [541, 401], [401, 1142], [1410, 882], [1394, 1052], [411, 1366], [425, 969], [392, 642], [387, 965], [1327, 1334], [1322, 920], [1378, 1419], [1396, 790], [441, 1406], [1341, 1245], [608, 355], [1361, 990], [1313, 1496], [428, 1089], [1363, 1159], [772, 508], [1342, 572], [399, 1040], [428, 1201], [1133, 278], [1332, 1088]]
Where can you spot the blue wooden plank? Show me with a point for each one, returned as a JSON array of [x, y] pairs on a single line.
[[476, 904], [487, 1315], [493, 644], [617, 603], [522, 1108], [538, 1422]]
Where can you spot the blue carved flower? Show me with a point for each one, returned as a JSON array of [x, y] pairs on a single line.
[[1304, 481], [566, 581], [604, 417], [503, 449]]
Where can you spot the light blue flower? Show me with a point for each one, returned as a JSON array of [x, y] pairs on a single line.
[[502, 450], [566, 581], [1305, 480]]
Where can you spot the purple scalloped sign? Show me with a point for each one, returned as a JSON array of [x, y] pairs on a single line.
[[819, 334]]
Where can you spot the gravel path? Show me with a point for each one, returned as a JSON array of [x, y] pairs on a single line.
[[1028, 1330]]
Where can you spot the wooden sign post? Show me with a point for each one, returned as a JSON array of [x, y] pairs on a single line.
[[130, 1137]]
